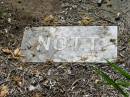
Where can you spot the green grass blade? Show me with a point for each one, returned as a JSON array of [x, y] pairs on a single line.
[[123, 83], [119, 70], [111, 82]]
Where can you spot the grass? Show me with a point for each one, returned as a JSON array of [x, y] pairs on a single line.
[[121, 85]]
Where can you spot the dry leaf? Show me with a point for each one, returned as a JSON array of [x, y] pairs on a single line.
[[4, 91], [17, 52], [86, 21], [18, 80], [6, 50], [14, 55], [50, 19]]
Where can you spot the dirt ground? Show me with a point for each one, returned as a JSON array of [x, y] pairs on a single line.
[[58, 79]]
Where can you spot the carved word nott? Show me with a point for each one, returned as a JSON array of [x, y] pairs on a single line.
[[70, 44]]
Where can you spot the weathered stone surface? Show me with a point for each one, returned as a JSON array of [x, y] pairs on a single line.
[[70, 44]]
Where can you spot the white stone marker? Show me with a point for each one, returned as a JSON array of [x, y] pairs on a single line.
[[70, 44]]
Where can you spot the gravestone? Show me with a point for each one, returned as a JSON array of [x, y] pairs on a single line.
[[70, 44]]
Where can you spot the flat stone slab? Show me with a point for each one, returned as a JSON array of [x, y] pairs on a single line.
[[70, 44]]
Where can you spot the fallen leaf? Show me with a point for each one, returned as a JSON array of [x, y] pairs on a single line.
[[17, 52], [86, 21], [50, 19], [6, 51], [4, 91], [17, 80]]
